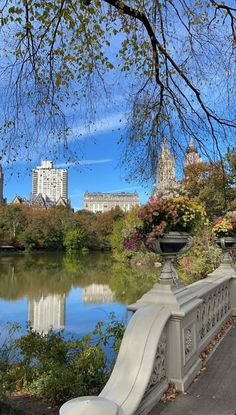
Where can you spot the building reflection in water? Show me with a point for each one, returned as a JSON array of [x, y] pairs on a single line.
[[97, 293], [47, 312]]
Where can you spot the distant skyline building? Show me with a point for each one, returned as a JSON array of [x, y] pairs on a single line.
[[49, 182], [39, 201], [103, 202], [2, 200]]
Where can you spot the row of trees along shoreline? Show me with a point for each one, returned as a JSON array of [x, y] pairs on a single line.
[[61, 228]]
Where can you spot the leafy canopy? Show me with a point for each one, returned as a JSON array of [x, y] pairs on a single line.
[[177, 59]]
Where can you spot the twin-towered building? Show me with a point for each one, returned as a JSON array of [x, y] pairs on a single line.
[[166, 176]]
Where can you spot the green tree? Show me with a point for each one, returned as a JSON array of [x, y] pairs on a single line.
[[122, 229], [74, 239], [47, 366], [203, 258], [177, 58], [88, 219], [56, 228], [213, 184], [45, 228], [117, 241], [104, 224], [12, 220], [30, 237]]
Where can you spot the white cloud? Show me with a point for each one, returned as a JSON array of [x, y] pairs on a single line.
[[83, 163], [109, 123]]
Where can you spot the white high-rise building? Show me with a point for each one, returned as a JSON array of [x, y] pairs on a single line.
[[50, 182]]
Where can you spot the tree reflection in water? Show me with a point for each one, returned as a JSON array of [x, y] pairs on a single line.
[[46, 280], [34, 275]]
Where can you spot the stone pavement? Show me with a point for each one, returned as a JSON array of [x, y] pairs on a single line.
[[215, 391]]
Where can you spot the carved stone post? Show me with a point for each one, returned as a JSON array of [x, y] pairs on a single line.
[[227, 268]]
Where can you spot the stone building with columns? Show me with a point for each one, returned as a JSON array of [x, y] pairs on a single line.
[[103, 202]]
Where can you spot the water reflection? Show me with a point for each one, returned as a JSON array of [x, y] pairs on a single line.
[[47, 312], [34, 275], [52, 289], [97, 293]]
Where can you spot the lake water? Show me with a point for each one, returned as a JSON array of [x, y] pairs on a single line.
[[64, 292]]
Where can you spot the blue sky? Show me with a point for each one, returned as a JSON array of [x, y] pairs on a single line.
[[98, 165], [95, 164], [99, 168]]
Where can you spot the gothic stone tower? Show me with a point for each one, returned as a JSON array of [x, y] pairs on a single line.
[[192, 156], [166, 179]]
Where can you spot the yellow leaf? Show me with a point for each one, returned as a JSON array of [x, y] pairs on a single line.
[[58, 79]]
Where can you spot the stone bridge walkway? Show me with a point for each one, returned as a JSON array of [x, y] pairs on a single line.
[[215, 391]]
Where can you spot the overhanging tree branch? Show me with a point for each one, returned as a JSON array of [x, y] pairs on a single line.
[[169, 50], [156, 46]]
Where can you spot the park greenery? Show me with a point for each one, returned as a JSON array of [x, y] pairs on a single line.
[[56, 228], [48, 365], [214, 184], [176, 59], [55, 369], [203, 258], [61, 228], [61, 57], [38, 274]]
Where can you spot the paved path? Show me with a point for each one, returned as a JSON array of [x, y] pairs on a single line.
[[215, 391]]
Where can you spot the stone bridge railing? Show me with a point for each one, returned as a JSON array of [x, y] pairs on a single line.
[[170, 327]]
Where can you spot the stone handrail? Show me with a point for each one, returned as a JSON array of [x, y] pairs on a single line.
[[162, 343], [140, 369], [215, 307]]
